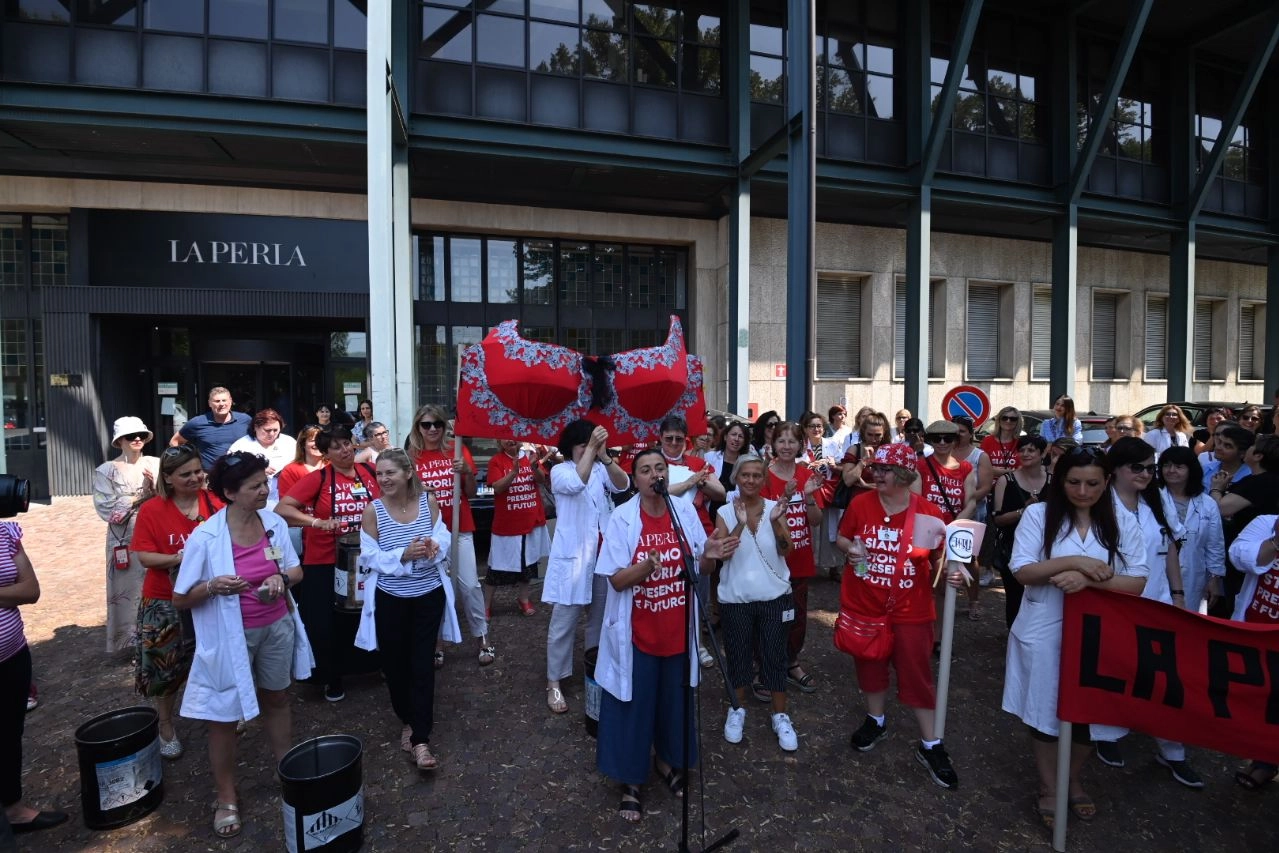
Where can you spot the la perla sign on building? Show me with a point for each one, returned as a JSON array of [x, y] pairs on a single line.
[[218, 251]]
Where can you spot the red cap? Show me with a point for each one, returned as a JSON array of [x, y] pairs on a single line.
[[896, 453]]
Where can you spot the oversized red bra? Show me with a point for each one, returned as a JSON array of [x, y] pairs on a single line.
[[529, 391]]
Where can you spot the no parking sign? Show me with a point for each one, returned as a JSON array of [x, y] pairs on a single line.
[[968, 401]]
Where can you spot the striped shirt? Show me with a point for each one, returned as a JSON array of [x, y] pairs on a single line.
[[391, 534], [12, 638]]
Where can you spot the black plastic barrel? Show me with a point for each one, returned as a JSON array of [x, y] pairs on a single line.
[[323, 791], [594, 693], [121, 778]]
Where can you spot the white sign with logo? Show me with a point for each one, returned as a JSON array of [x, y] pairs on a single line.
[[963, 540]]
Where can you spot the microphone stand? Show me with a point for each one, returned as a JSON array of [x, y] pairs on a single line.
[[690, 576]]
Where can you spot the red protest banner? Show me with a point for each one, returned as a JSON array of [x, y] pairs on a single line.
[[1158, 669]]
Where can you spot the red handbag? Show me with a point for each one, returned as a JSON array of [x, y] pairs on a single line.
[[864, 637]]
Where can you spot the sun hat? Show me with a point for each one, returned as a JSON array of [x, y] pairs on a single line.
[[941, 428], [128, 425], [897, 453]]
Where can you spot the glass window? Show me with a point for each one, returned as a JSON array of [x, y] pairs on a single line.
[[13, 252], [656, 20], [433, 378], [465, 277], [348, 345], [48, 251], [431, 269], [240, 18], [841, 94], [655, 62], [446, 35], [350, 25], [575, 273], [609, 275], [604, 55], [103, 12], [503, 273], [40, 10], [767, 82], [879, 96], [499, 41], [701, 69], [707, 27], [553, 48], [183, 16], [539, 271], [609, 14], [18, 414], [302, 20], [555, 10], [879, 59], [766, 39]]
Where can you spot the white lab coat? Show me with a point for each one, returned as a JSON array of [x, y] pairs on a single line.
[[220, 687], [1203, 549], [387, 562], [581, 514], [1034, 643], [616, 654], [1243, 553]]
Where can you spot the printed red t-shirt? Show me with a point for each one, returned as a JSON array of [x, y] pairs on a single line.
[[800, 559], [289, 476], [1003, 454], [435, 467], [657, 609], [519, 509], [161, 528], [1264, 607], [626, 459], [952, 480], [334, 495], [907, 592]]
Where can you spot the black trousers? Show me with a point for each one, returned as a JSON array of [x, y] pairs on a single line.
[[15, 683], [406, 632], [756, 628], [315, 605]]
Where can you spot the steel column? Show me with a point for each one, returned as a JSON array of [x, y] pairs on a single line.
[[1272, 320], [405, 265], [801, 206], [1181, 306], [737, 330], [919, 229], [950, 88]]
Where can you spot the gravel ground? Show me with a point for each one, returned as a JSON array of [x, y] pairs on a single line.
[[515, 777]]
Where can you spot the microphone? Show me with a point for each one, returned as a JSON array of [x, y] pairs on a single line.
[[659, 486]]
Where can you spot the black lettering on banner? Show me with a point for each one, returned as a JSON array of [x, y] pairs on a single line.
[[1157, 652], [1272, 703], [1220, 675], [1090, 655]]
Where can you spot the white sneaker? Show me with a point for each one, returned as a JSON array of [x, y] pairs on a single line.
[[733, 725], [786, 737], [704, 655]]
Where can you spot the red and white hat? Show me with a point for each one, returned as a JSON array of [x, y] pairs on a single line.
[[896, 453]]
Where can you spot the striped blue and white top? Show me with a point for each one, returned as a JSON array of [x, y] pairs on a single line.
[[12, 639], [393, 534]]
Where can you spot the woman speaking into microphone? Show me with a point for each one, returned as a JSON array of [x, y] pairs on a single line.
[[644, 644]]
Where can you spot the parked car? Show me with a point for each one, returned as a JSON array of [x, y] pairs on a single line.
[[1197, 411], [1032, 419]]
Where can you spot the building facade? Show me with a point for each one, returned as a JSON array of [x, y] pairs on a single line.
[[182, 201]]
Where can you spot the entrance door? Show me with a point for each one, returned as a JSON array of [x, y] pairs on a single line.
[[264, 374]]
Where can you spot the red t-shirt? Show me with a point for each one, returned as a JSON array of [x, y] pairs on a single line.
[[700, 502], [906, 592], [626, 459], [657, 609], [519, 509], [1264, 607], [1003, 454], [952, 480], [161, 528], [334, 495], [800, 558], [289, 476], [435, 467]]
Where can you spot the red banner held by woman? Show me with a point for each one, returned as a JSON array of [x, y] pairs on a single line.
[[1161, 670]]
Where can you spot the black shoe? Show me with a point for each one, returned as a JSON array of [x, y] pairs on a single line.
[[44, 820], [760, 692], [937, 762], [871, 733], [333, 692], [1109, 753], [1181, 771]]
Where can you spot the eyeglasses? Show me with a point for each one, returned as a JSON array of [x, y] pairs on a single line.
[[1138, 468], [901, 418], [880, 468], [674, 439], [934, 438], [814, 426], [1119, 428], [134, 436], [378, 434], [431, 424]]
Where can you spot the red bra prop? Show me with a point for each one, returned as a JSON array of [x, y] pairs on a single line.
[[526, 390]]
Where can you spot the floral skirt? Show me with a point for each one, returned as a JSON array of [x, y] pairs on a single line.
[[165, 649]]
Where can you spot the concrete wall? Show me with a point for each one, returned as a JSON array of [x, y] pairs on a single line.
[[877, 256]]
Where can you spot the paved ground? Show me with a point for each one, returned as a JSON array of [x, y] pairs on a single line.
[[515, 777]]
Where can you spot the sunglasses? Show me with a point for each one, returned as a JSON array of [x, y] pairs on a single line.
[[674, 439], [1012, 419], [1088, 452], [880, 468], [1138, 468], [933, 438], [912, 431], [1242, 418], [431, 424], [180, 450], [134, 436], [771, 424]]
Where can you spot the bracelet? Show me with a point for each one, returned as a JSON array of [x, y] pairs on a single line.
[[1180, 592], [208, 590], [314, 521]]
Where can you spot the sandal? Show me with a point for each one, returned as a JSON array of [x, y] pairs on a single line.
[[630, 808], [805, 682], [406, 739], [674, 779], [974, 613], [425, 760], [1047, 814], [555, 700], [439, 660], [488, 654], [1083, 807], [1249, 779], [527, 608], [221, 825]]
